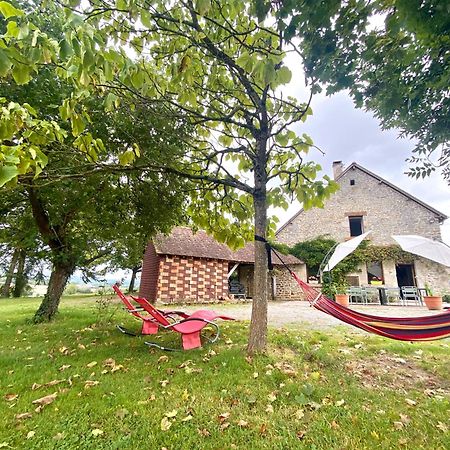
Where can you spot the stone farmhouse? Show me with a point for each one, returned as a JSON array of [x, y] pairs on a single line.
[[364, 202], [194, 267]]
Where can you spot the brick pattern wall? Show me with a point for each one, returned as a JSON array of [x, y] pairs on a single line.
[[150, 273], [286, 287], [188, 279]]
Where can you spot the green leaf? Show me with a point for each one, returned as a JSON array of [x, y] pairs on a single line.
[[8, 10], [127, 157], [88, 58], [203, 6], [5, 63], [7, 173], [12, 30], [284, 75], [146, 19], [269, 72], [65, 49], [21, 73]]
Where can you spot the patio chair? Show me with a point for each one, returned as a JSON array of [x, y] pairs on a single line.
[[149, 324], [410, 293], [357, 294], [190, 328]]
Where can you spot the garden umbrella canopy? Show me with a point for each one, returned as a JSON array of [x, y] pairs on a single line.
[[428, 248], [344, 249]]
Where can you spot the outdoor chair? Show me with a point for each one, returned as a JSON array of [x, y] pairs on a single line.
[[410, 293], [149, 324], [190, 328], [357, 294]]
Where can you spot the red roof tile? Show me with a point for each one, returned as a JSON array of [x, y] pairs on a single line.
[[183, 242]]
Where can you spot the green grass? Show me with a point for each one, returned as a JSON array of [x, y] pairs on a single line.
[[314, 390]]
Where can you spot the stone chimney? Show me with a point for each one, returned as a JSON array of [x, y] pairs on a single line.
[[338, 168]]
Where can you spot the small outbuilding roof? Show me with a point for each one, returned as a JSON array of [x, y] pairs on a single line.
[[183, 242]]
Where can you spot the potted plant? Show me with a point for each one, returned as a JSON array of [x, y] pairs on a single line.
[[433, 302], [340, 294]]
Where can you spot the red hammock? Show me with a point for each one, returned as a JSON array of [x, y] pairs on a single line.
[[425, 328]]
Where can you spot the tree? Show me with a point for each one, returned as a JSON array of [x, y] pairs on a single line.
[[392, 57], [78, 208], [210, 64]]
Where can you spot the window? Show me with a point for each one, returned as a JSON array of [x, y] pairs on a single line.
[[352, 182], [375, 273], [356, 225]]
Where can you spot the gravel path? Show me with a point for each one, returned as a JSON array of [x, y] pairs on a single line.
[[290, 313]]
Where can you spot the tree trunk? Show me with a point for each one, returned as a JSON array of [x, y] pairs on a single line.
[[134, 272], [21, 280], [257, 341], [58, 279], [9, 275]]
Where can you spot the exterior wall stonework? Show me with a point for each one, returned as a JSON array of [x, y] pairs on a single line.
[[191, 279], [385, 212], [286, 288]]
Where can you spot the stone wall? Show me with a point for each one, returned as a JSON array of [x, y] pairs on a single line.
[[187, 279], [385, 212], [286, 288]]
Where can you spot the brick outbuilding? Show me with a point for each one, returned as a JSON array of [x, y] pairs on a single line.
[[194, 267]]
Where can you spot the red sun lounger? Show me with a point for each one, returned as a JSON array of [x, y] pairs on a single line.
[[190, 328], [149, 324]]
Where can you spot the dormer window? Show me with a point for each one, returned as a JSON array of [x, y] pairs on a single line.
[[356, 225]]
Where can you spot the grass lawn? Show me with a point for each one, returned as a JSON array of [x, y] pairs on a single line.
[[314, 390]]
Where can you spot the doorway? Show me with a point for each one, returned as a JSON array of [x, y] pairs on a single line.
[[405, 275]]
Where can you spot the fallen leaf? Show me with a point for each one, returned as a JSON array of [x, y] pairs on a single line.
[[299, 414], [165, 423], [30, 434], [242, 423], [255, 374], [35, 386], [45, 400], [223, 417], [405, 419], [4, 444], [163, 358], [121, 413], [97, 432], [64, 367], [398, 425], [269, 409], [339, 402], [81, 346], [301, 434], [164, 383], [10, 397], [171, 414], [21, 416], [263, 429], [90, 383], [203, 432], [58, 436], [441, 426], [54, 382], [110, 362], [334, 425], [187, 418], [91, 364], [116, 368], [272, 397], [410, 402], [224, 426]]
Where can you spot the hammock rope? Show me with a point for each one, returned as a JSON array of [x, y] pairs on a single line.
[[423, 328]]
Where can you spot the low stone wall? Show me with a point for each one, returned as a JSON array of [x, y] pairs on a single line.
[[286, 288]]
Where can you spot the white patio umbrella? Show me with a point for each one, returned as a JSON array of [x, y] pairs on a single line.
[[428, 248], [342, 250]]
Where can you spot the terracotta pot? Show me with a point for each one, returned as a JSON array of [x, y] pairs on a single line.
[[341, 299], [433, 301]]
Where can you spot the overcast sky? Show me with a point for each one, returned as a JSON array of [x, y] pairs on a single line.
[[353, 135]]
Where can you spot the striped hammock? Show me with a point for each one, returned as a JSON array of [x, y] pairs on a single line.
[[424, 328]]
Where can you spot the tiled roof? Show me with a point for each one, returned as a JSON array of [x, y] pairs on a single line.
[[183, 242]]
